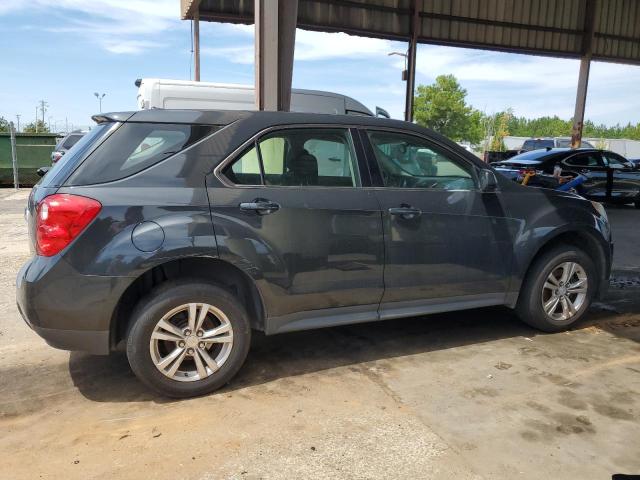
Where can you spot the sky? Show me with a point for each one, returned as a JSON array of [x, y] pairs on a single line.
[[62, 51]]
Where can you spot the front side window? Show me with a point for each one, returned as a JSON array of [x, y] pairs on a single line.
[[298, 157], [411, 162], [587, 160], [613, 161]]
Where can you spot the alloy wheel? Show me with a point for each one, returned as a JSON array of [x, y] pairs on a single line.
[[191, 342], [564, 291]]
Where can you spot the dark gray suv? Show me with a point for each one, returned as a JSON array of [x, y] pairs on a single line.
[[174, 234]]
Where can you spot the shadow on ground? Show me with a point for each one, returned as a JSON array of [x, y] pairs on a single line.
[[109, 379]]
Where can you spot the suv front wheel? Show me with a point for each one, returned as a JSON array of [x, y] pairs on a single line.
[[188, 338], [558, 289]]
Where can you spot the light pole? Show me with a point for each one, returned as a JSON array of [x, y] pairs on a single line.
[[406, 57], [18, 117], [99, 97]]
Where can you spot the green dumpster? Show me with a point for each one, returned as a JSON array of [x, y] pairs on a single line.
[[33, 150]]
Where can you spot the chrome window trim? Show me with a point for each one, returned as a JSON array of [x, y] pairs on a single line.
[[217, 171]]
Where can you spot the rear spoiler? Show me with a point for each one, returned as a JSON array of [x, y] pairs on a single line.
[[381, 112]]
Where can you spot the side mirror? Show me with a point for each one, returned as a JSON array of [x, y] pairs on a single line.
[[488, 181], [42, 171]]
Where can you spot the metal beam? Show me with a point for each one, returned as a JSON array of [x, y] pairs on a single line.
[[196, 46], [275, 33], [583, 75], [411, 62]]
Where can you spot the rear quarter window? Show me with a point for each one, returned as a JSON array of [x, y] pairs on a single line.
[[134, 147]]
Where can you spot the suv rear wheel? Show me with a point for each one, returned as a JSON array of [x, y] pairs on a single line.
[[188, 338], [558, 289]]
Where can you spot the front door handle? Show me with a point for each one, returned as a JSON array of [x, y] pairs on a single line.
[[405, 211], [260, 206]]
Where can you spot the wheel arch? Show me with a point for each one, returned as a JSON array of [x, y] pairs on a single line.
[[583, 238], [209, 269]]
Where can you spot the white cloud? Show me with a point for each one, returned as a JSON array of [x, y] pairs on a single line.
[[479, 66], [310, 46], [129, 46], [241, 54], [118, 26]]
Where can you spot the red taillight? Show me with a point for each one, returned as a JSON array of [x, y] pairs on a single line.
[[60, 218]]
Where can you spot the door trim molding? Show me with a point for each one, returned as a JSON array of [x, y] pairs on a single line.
[[331, 317]]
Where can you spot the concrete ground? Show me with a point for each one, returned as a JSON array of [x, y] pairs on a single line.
[[466, 395]]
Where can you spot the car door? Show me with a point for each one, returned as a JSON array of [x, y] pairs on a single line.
[[445, 241], [597, 185], [291, 210], [625, 181]]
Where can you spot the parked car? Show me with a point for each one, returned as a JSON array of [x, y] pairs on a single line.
[[610, 177], [65, 144], [174, 234], [492, 156], [177, 94], [555, 142]]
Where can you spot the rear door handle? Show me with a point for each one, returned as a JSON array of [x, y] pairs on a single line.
[[405, 211], [260, 206]]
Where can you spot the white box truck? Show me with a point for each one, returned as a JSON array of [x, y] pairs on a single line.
[[184, 94]]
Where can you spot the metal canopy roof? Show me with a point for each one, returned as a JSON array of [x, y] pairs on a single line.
[[559, 28]]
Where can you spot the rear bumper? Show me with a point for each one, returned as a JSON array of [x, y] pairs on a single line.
[[94, 342], [68, 310]]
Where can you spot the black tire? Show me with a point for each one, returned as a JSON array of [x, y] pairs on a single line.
[[637, 204], [530, 307], [163, 299]]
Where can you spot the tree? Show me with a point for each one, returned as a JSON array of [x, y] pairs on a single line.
[[441, 106], [4, 124], [501, 131], [31, 127]]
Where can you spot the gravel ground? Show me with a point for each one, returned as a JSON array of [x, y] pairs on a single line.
[[471, 394]]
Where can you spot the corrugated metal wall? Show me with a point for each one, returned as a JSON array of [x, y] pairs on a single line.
[[551, 27]]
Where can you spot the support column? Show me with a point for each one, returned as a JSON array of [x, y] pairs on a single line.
[[411, 62], [581, 101], [196, 45], [275, 34], [583, 76]]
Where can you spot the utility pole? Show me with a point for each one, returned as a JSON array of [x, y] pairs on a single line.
[[18, 117], [66, 125], [14, 158], [44, 106], [36, 121]]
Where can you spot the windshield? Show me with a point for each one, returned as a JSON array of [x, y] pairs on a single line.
[[537, 144], [566, 143], [70, 141]]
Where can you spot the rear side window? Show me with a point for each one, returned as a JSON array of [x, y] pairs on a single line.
[[321, 157], [134, 147]]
